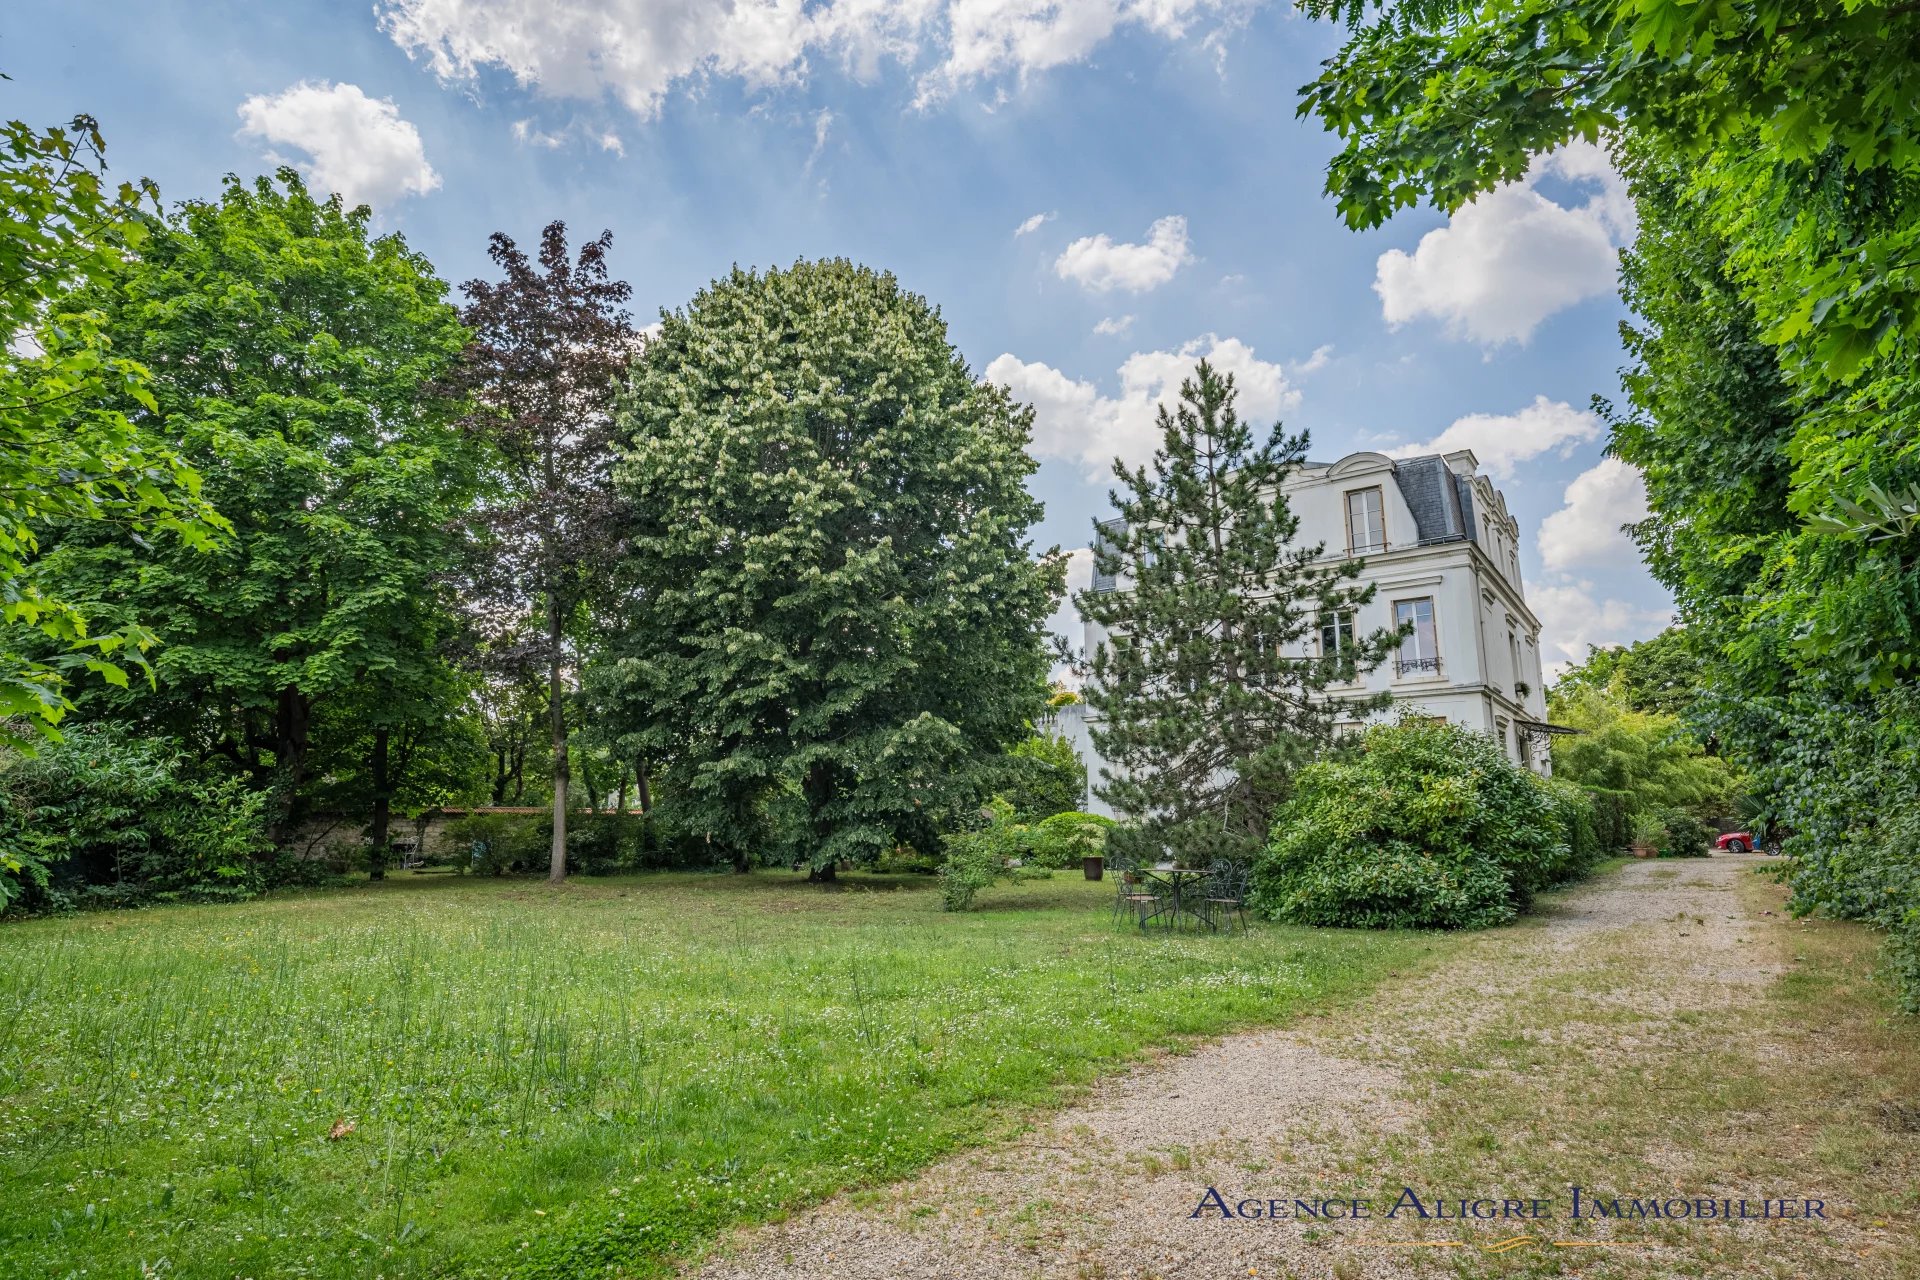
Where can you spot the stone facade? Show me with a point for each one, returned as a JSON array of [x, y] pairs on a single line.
[[1442, 551]]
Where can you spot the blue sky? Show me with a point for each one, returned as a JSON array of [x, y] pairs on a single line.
[[1172, 199]]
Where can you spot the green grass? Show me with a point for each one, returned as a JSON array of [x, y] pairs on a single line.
[[589, 1081]]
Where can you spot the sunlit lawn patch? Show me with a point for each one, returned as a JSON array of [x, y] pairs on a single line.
[[582, 1081]]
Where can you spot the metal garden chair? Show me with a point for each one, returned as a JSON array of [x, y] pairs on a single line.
[[1225, 894], [1137, 898]]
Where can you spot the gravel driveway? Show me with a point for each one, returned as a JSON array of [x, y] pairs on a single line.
[[1352, 1100]]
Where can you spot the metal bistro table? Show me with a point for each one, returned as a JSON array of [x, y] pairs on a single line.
[[1180, 883]]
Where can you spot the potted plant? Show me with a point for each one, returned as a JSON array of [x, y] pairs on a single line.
[[1647, 831]]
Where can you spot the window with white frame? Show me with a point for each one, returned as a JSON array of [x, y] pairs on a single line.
[[1420, 648], [1366, 521], [1336, 633]]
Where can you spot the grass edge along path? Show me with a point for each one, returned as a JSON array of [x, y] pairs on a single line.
[[590, 1081]]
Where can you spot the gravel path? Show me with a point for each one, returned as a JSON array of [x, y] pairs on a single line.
[[1106, 1188]]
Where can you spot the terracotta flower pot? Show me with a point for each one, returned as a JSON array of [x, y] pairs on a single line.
[[1645, 851]]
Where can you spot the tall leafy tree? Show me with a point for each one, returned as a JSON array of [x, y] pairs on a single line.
[[291, 355], [832, 586], [1798, 631], [76, 443], [1800, 113], [552, 340], [1213, 684], [1662, 674]]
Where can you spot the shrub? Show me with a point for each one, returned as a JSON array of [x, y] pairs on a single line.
[[600, 844], [906, 860], [1063, 839], [496, 843], [1580, 830], [1842, 785], [1681, 835], [978, 856], [1612, 818], [1043, 775], [1422, 825], [103, 816]]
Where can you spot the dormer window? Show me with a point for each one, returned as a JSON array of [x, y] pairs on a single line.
[[1366, 521]]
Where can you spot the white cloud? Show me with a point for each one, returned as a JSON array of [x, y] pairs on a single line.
[[1588, 528], [638, 51], [1033, 224], [358, 146], [992, 39], [1074, 422], [530, 133], [1113, 326], [822, 126], [1499, 440], [1099, 264], [1513, 257], [1573, 616], [534, 136], [1314, 363], [1065, 620]]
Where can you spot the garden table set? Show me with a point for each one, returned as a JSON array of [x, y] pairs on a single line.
[[1173, 896]]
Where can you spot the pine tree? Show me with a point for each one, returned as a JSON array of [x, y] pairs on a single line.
[[1212, 686]]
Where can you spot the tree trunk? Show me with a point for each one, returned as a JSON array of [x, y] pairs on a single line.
[[587, 779], [819, 788], [640, 780], [500, 776], [620, 800], [291, 723], [557, 722], [382, 808]]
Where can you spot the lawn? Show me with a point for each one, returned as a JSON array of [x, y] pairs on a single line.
[[584, 1081]]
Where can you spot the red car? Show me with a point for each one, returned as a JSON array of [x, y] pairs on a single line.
[[1735, 841]]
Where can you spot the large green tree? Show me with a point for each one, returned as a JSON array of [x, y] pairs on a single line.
[[1791, 622], [76, 445], [292, 355], [832, 586], [1215, 683], [1799, 113], [1661, 674]]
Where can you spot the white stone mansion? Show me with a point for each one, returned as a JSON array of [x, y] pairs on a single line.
[[1443, 555]]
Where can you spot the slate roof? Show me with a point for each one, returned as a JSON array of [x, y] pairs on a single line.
[[1441, 502]]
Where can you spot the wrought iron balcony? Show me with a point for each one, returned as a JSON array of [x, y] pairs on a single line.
[[1410, 666]]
